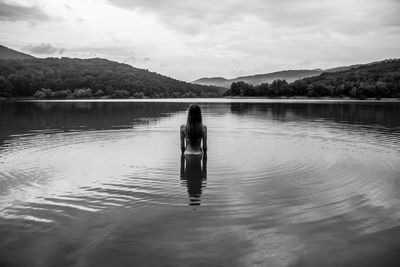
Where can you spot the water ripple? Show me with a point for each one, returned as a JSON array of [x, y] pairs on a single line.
[[286, 171]]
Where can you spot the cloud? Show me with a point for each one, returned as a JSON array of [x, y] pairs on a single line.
[[195, 17], [209, 38], [43, 49], [184, 16], [134, 59], [14, 12], [131, 60]]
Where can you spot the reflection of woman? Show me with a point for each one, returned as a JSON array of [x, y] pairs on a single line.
[[194, 172], [193, 132]]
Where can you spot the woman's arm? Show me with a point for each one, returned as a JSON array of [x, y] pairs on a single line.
[[182, 165], [205, 139], [182, 138]]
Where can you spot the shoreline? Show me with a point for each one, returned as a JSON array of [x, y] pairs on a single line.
[[242, 99]]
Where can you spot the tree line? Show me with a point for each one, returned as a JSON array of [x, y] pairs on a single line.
[[90, 78], [375, 80], [68, 78]]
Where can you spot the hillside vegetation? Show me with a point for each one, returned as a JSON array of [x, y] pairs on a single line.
[[85, 78], [380, 79]]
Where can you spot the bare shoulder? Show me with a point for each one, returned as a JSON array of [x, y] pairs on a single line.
[[204, 128], [183, 126]]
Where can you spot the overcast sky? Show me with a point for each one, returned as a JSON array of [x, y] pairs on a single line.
[[188, 39]]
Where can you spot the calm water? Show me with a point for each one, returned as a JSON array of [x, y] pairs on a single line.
[[284, 184]]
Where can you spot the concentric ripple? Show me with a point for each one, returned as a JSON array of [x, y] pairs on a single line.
[[261, 167]]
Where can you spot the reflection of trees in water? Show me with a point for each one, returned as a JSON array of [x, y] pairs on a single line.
[[21, 117], [194, 173], [385, 114]]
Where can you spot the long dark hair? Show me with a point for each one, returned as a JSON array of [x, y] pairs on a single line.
[[194, 124]]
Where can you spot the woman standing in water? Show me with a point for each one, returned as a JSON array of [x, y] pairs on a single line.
[[193, 132], [192, 171]]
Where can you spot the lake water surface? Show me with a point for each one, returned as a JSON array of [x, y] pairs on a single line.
[[284, 184]]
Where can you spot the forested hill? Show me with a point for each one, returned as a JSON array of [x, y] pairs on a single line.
[[85, 78], [379, 79], [7, 53]]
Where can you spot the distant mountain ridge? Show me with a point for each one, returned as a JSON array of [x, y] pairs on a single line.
[[7, 53], [212, 79], [288, 75]]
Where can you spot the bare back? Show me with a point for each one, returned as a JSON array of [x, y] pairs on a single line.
[[193, 147]]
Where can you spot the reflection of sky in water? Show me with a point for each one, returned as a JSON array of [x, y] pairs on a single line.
[[282, 181]]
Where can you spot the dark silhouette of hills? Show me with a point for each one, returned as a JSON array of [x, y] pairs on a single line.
[[89, 78], [22, 75], [7, 53]]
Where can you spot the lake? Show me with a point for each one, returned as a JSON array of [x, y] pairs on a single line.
[[285, 183]]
